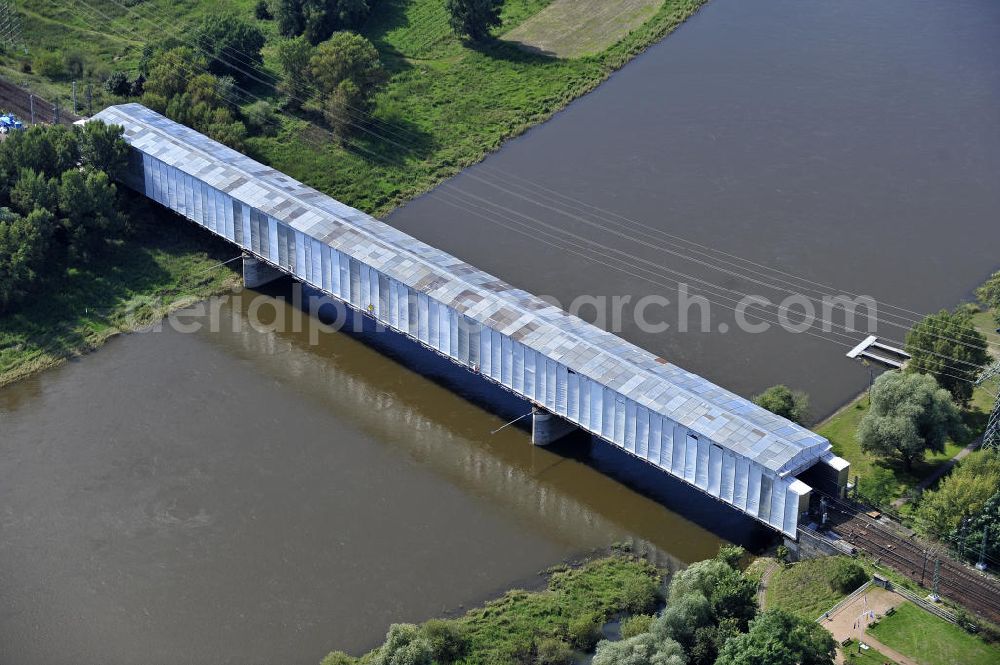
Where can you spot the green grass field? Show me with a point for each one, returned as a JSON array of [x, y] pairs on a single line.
[[869, 656], [932, 641], [803, 588]]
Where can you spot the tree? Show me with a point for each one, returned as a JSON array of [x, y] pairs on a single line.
[[948, 346], [294, 56], [731, 555], [318, 19], [682, 618], [962, 493], [347, 56], [642, 649], [262, 11], [969, 540], [232, 44], [636, 624], [48, 150], [404, 645], [169, 72], [777, 637], [909, 415], [102, 148], [87, 204], [23, 246], [347, 72], [118, 84], [847, 575], [989, 295], [781, 401], [474, 18], [34, 191]]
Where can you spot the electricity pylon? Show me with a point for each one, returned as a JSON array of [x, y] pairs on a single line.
[[991, 436]]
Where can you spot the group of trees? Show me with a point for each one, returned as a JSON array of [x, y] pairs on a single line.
[[948, 346], [989, 295], [315, 20], [58, 206], [325, 68], [965, 506], [340, 77], [711, 617]]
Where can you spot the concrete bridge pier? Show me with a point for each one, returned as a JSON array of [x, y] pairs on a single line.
[[257, 273], [547, 428]]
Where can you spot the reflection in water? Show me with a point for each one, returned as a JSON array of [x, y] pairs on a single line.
[[240, 496]]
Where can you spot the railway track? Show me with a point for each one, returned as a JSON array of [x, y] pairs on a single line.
[[959, 584], [15, 98]]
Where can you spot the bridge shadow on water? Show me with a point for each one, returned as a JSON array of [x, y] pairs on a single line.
[[635, 473]]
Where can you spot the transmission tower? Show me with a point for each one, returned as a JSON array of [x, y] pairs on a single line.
[[991, 436], [10, 26]]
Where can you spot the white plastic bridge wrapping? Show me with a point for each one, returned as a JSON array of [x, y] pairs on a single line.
[[690, 428]]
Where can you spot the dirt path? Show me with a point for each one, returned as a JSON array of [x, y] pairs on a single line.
[[765, 579], [573, 28]]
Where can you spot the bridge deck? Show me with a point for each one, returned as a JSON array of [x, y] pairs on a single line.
[[689, 427]]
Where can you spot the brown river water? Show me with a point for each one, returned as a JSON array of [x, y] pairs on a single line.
[[244, 496]]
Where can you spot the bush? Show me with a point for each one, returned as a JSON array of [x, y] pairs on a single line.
[[447, 639], [262, 11], [847, 576], [584, 632], [782, 553], [640, 595], [731, 555], [118, 84], [261, 118], [782, 401], [404, 645], [50, 64], [338, 658], [635, 625], [553, 651], [74, 64]]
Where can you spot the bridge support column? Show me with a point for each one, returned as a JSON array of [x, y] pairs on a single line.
[[547, 428], [257, 273]]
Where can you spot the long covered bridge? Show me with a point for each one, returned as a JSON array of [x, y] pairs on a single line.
[[574, 374]]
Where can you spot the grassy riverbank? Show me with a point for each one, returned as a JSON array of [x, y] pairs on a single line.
[[570, 609], [164, 264]]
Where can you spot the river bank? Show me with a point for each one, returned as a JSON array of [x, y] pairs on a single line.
[[163, 265]]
